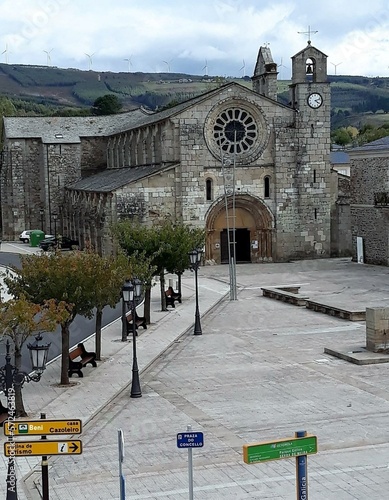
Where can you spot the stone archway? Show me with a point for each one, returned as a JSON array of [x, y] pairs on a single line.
[[254, 230]]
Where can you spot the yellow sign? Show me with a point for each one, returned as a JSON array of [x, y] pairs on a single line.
[[42, 427], [43, 447]]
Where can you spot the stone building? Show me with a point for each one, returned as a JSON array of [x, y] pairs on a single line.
[[231, 158], [370, 200]]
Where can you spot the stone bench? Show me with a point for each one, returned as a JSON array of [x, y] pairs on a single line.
[[286, 294], [336, 311]]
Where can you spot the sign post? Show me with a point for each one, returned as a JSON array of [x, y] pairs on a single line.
[[300, 446], [121, 458], [190, 439], [301, 472], [39, 448], [281, 448], [45, 470], [43, 427]]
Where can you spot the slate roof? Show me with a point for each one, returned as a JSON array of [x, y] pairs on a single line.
[[337, 157], [63, 129], [111, 179], [167, 113], [379, 144]]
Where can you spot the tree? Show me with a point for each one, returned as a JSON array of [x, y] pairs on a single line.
[[166, 246], [108, 277], [183, 239], [19, 320], [63, 277], [341, 136], [108, 104], [142, 245]]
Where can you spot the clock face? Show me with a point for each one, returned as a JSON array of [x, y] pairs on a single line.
[[315, 100]]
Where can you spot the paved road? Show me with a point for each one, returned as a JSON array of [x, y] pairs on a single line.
[[257, 373]]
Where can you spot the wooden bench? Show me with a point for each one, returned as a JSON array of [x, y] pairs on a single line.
[[3, 414], [83, 357], [286, 295], [172, 297], [351, 315], [139, 321]]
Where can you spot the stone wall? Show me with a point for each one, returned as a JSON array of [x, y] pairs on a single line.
[[370, 175]]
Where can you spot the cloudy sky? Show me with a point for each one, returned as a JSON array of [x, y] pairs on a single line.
[[214, 37]]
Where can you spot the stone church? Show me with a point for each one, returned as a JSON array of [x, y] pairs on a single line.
[[229, 160]]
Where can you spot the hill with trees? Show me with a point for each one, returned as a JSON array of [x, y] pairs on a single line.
[[43, 90]]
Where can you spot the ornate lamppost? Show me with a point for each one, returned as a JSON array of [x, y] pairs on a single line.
[[132, 292], [195, 260], [9, 377]]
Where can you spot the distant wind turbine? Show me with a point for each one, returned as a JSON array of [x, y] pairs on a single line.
[[243, 68], [89, 56], [205, 68], [168, 64], [6, 52], [48, 58], [335, 66], [128, 59]]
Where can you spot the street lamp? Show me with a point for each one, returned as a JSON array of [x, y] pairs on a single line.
[[132, 291], [41, 213], [9, 377], [55, 218], [195, 260]]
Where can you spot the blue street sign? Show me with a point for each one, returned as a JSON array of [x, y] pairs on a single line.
[[190, 440]]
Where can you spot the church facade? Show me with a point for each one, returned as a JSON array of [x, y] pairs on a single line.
[[233, 160]]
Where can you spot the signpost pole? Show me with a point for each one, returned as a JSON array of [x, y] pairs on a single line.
[[10, 393], [190, 467], [121, 458], [301, 472], [45, 470]]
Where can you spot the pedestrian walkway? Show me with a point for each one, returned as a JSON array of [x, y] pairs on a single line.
[[86, 396], [257, 373]]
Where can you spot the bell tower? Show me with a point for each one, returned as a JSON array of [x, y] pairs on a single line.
[[310, 98]]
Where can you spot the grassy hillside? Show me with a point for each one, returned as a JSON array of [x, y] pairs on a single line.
[[355, 100]]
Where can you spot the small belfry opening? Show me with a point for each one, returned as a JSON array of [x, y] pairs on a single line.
[[310, 69]]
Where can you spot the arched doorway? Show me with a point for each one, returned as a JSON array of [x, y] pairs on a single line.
[[253, 230]]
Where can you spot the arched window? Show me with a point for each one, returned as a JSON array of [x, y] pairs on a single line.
[[267, 187], [209, 189]]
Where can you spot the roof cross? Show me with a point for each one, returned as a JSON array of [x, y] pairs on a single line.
[[309, 33]]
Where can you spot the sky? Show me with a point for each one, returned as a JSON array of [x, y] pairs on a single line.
[[205, 37]]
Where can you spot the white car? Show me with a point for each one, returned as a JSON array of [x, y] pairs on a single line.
[[25, 236]]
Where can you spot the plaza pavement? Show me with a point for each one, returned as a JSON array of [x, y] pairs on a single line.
[[257, 373]]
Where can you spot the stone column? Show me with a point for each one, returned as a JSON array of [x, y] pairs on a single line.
[[377, 329]]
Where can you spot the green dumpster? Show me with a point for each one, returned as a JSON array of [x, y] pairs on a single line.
[[35, 237]]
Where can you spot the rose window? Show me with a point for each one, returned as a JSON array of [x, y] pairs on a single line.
[[235, 131]]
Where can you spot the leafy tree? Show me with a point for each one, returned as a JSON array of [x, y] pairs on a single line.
[[166, 246], [108, 277], [142, 246], [108, 104], [62, 277], [20, 319], [183, 239], [341, 136]]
